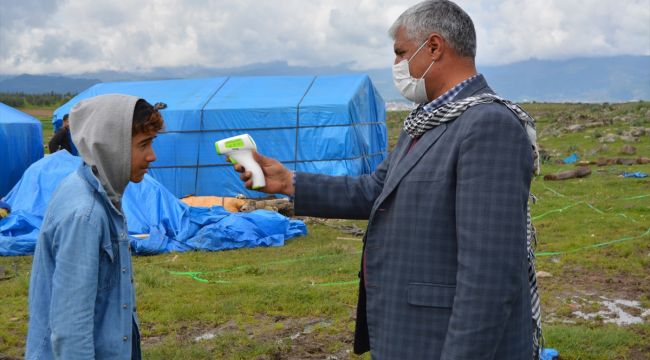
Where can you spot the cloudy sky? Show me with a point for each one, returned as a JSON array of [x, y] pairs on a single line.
[[76, 36]]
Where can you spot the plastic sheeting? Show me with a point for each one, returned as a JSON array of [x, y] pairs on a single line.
[[571, 159], [21, 143], [150, 209], [324, 124]]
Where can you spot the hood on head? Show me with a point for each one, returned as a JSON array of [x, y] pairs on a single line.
[[101, 130]]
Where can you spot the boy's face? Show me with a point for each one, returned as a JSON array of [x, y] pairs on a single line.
[[141, 155]]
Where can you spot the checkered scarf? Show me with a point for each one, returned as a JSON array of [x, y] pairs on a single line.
[[420, 121]]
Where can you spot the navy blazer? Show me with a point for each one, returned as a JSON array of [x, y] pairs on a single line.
[[445, 249]]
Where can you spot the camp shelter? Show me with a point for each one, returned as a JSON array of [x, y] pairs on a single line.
[[21, 144], [325, 124]]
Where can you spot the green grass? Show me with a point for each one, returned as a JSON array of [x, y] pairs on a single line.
[[44, 115], [298, 301]]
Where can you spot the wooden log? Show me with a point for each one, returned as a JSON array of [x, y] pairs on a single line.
[[625, 161], [578, 172], [283, 206]]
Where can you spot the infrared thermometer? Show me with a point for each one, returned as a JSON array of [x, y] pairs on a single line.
[[240, 151]]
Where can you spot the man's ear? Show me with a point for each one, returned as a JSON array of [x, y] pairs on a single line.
[[436, 46]]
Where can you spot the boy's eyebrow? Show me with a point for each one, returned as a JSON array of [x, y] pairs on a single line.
[[145, 140]]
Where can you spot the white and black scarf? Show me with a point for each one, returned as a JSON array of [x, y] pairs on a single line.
[[420, 121]]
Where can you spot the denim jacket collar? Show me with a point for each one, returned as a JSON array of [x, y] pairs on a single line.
[[87, 174]]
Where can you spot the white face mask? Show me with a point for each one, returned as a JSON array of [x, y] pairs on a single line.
[[411, 88]]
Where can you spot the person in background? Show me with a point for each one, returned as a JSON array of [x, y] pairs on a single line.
[[61, 140], [81, 292], [446, 271]]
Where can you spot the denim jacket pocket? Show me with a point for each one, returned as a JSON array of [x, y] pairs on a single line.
[[431, 295], [108, 267]]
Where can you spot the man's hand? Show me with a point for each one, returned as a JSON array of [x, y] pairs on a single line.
[[279, 179]]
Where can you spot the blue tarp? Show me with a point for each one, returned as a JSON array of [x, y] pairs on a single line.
[[571, 159], [21, 143], [637, 174], [150, 209], [325, 124]]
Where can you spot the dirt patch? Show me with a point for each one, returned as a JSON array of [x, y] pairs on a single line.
[[38, 112], [586, 296], [621, 312], [294, 338], [640, 351], [307, 338], [229, 326], [580, 306], [623, 286]]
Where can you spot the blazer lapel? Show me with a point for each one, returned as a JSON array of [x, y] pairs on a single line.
[[406, 161], [401, 148]]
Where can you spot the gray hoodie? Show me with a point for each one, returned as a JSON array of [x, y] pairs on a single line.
[[101, 131]]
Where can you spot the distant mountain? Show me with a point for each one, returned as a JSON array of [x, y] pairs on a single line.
[[606, 79], [33, 84], [279, 68]]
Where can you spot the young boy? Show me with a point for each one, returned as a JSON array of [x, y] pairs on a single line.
[[81, 295]]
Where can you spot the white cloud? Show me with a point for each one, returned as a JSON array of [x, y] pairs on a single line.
[[76, 36]]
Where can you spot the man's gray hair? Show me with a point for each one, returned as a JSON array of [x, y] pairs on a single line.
[[440, 16]]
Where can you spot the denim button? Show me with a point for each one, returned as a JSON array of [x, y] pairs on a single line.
[[125, 338], [125, 306], [124, 270]]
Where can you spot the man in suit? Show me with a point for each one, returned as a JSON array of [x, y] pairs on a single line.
[[444, 270]]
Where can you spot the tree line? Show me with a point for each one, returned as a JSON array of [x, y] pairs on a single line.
[[23, 100]]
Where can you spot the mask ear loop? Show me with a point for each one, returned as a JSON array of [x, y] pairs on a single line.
[[427, 70], [416, 52]]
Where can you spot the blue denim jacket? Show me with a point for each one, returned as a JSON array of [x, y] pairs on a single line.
[[81, 296]]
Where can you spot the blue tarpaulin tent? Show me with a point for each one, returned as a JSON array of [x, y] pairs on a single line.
[[21, 143], [325, 124], [150, 209]]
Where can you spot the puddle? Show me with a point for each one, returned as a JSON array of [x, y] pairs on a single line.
[[229, 326], [614, 311]]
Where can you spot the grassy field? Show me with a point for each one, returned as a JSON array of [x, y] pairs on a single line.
[[298, 301], [45, 116]]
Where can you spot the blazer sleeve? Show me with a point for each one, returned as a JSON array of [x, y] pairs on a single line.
[[74, 288], [342, 197], [494, 170]]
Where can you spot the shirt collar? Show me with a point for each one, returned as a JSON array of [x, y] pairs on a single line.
[[449, 95]]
